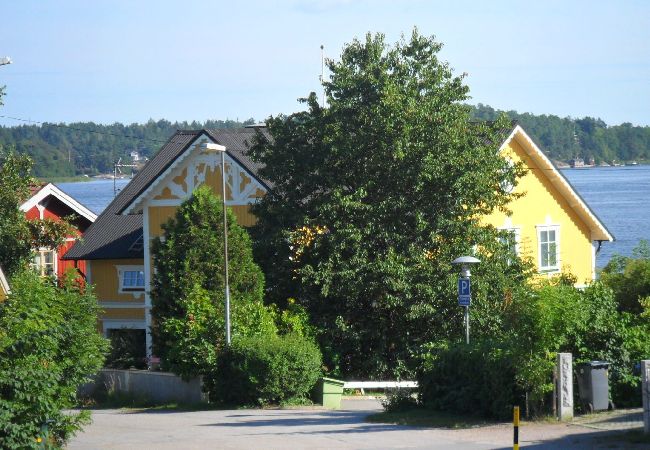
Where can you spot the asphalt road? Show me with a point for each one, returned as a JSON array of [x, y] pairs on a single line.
[[312, 429]]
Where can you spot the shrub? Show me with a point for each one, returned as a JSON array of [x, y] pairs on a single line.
[[49, 346], [261, 370], [128, 349], [476, 379], [398, 400], [629, 277]]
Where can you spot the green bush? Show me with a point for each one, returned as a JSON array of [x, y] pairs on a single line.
[[398, 400], [261, 370], [49, 346], [128, 349], [476, 379]]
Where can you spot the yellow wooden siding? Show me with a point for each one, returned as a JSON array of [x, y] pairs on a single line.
[[3, 295], [543, 201], [213, 179], [104, 278], [158, 215], [123, 314]]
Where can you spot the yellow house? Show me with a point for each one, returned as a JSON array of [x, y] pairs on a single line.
[[551, 223], [117, 246]]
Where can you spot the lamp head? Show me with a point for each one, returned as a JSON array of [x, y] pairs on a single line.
[[465, 262], [210, 147]]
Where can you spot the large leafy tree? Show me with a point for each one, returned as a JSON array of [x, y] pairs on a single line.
[[188, 286], [374, 196]]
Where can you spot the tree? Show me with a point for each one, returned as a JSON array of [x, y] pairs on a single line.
[[49, 346], [15, 237], [188, 287], [374, 196]]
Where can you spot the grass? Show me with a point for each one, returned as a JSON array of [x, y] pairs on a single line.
[[426, 418]]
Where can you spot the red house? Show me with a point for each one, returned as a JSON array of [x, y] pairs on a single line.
[[49, 202]]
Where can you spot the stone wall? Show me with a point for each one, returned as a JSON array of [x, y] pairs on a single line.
[[157, 387]]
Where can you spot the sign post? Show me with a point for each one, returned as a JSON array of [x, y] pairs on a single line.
[[465, 300], [464, 287]]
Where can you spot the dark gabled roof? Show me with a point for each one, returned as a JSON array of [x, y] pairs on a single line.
[[114, 234]]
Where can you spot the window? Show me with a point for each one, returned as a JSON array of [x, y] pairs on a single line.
[[44, 262], [549, 246], [510, 238], [131, 278], [505, 184]]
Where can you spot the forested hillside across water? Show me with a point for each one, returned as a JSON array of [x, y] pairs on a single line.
[[563, 139], [62, 150], [89, 148]]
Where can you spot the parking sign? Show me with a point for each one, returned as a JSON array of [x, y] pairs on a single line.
[[464, 292]]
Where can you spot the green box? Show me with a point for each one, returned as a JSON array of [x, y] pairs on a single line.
[[331, 391]]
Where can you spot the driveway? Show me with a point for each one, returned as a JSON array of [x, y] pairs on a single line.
[[314, 429]]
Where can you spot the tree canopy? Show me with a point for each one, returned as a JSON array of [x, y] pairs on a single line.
[[373, 196]]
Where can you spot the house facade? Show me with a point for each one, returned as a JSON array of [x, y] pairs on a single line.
[[550, 224], [49, 202], [117, 247], [550, 218]]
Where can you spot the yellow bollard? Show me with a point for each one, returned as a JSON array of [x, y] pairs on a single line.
[[515, 422]]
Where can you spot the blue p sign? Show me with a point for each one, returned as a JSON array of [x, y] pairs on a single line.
[[464, 292]]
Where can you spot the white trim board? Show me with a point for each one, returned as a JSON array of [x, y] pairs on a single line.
[[50, 189], [598, 230], [4, 284]]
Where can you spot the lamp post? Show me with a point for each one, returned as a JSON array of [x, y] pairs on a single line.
[[209, 147], [464, 287]]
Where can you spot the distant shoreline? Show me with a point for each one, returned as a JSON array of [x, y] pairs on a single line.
[[74, 179]]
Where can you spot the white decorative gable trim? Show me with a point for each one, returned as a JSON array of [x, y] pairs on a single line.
[[189, 171], [50, 189]]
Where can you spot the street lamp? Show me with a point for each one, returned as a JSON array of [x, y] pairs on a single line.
[[464, 287], [4, 61], [209, 147]]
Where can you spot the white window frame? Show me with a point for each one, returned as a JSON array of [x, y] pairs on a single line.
[[121, 270], [40, 253], [548, 268]]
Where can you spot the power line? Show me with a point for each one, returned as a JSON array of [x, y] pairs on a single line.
[[81, 130]]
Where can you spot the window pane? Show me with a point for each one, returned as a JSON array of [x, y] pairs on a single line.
[[552, 254], [133, 279], [544, 254]]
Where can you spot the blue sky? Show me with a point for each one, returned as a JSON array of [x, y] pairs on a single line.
[[130, 61]]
